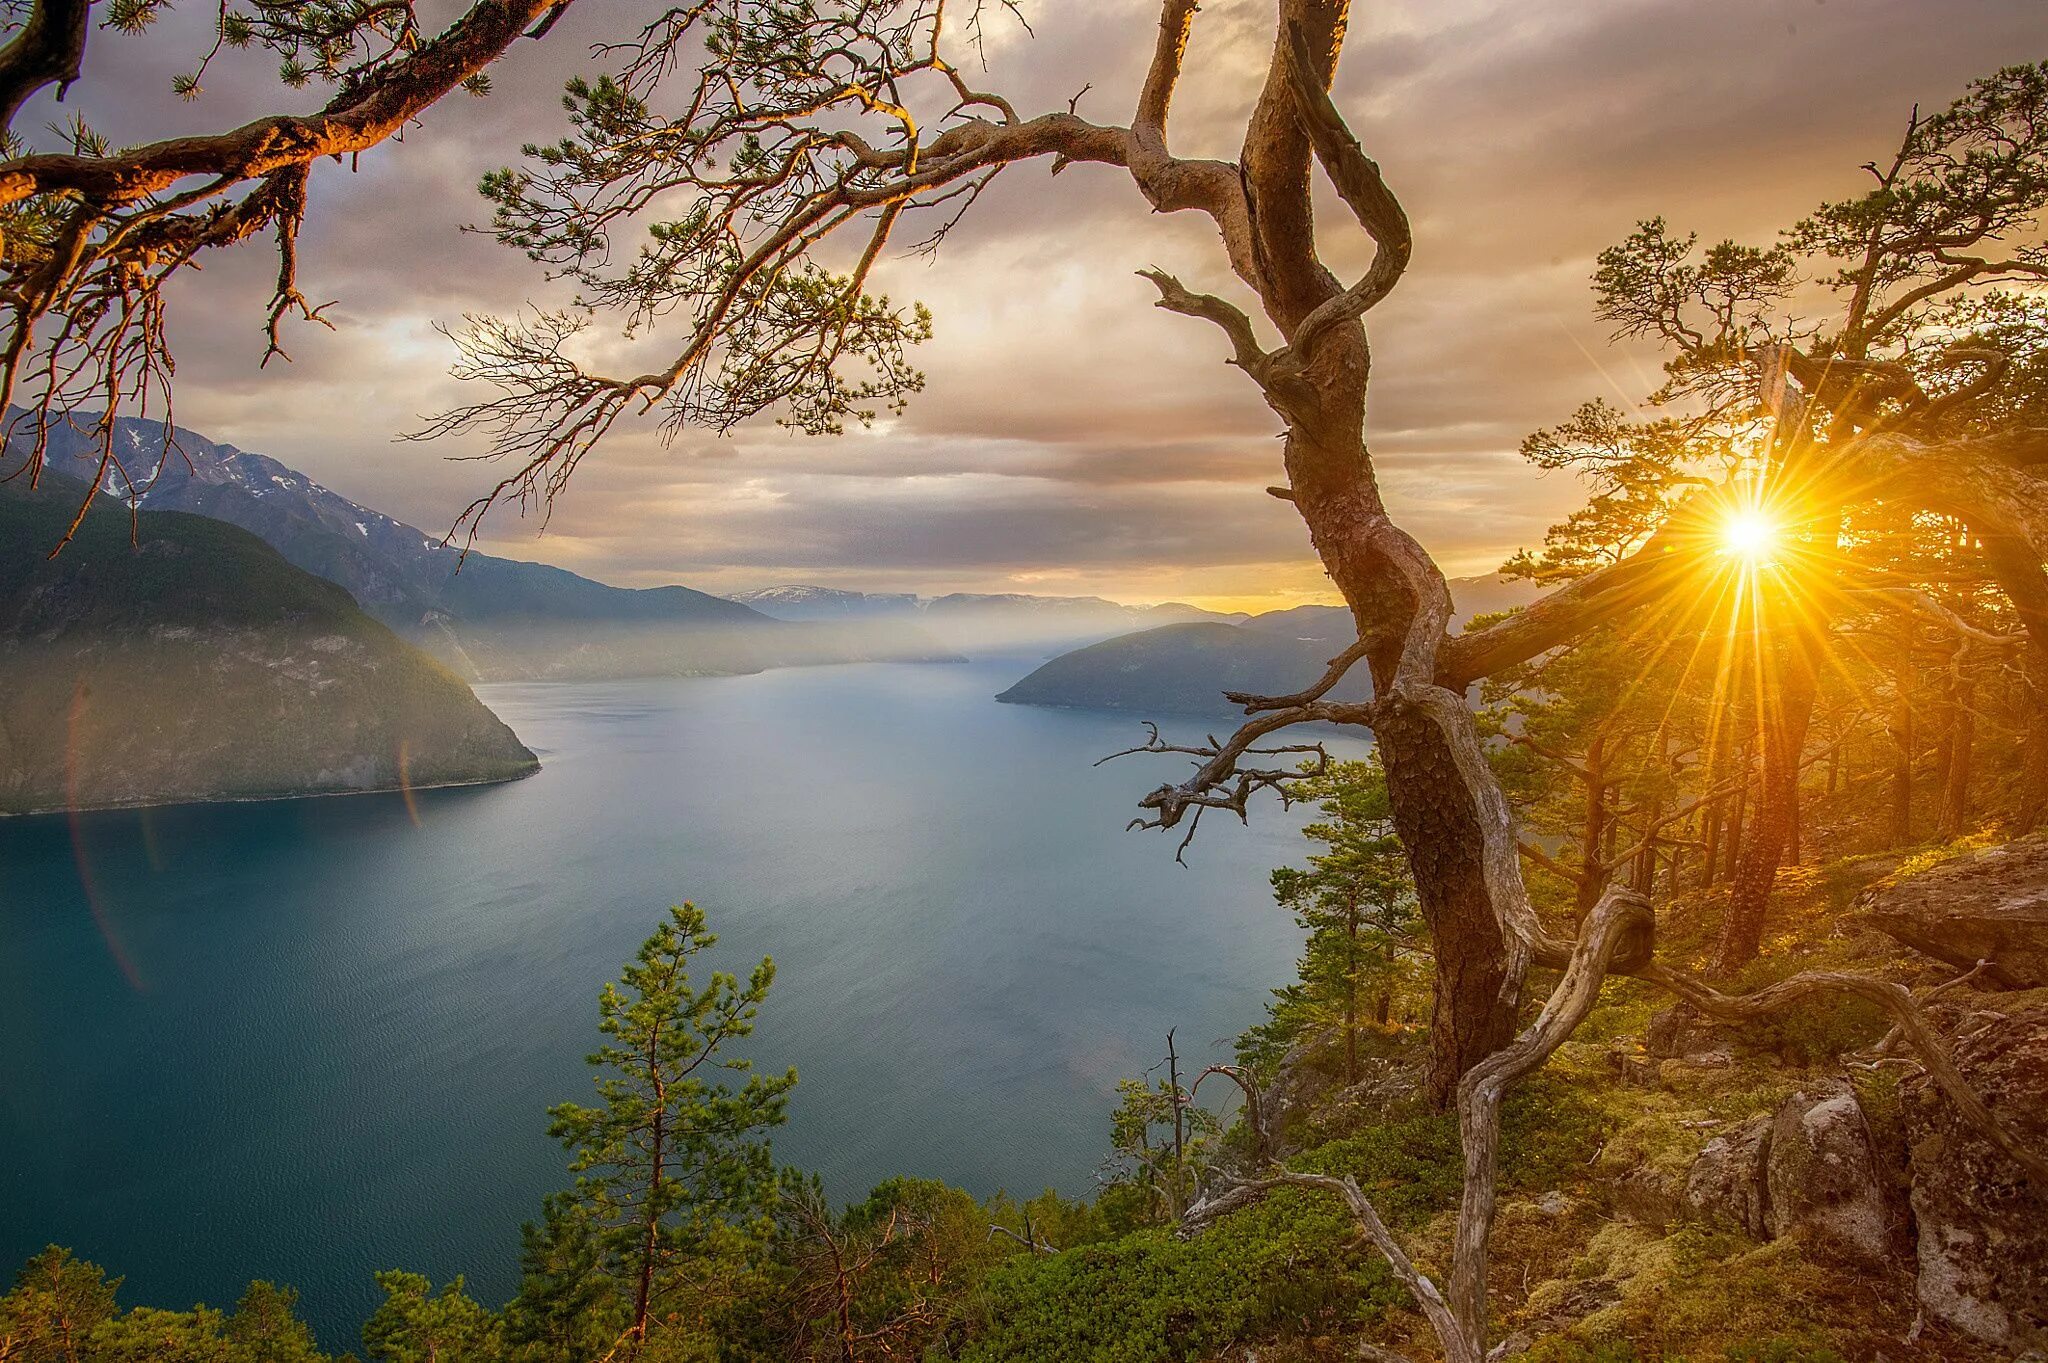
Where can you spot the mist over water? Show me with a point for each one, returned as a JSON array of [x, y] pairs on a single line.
[[350, 1023]]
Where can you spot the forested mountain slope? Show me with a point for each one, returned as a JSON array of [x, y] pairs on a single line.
[[196, 664], [1184, 669]]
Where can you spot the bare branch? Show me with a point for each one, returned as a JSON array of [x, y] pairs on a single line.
[[1148, 124], [1033, 1244], [1359, 183], [1618, 933], [1339, 665], [1255, 1114], [1244, 342]]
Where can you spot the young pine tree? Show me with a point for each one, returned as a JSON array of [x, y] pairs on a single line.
[[673, 1161], [1356, 899]]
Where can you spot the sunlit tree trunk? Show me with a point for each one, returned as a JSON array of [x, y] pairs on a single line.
[[1902, 744], [1721, 813], [2031, 810], [1771, 830], [1738, 810], [1593, 834], [1962, 732], [1351, 989]]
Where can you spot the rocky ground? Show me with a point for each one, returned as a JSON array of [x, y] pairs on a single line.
[[1784, 1192]]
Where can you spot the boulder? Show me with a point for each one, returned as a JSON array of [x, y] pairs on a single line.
[[1678, 1033], [1983, 1224], [1986, 906], [1726, 1185], [1632, 1062], [1647, 1196], [1822, 1178]]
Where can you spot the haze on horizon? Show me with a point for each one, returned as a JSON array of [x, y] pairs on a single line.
[[1072, 439]]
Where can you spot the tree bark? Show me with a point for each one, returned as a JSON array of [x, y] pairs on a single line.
[[2032, 808], [1955, 785], [1710, 850], [1731, 833], [1447, 808], [1902, 761], [1593, 834], [1351, 990], [644, 1290], [1470, 1017], [1786, 717]]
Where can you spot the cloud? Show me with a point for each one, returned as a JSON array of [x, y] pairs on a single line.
[[1071, 435]]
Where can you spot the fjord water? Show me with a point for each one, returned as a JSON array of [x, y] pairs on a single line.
[[309, 1039]]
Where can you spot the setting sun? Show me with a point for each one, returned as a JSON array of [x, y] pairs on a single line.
[[1749, 534]]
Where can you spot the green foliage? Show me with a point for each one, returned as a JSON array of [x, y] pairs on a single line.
[[1637, 470], [416, 1324], [1817, 1033], [674, 1160], [1559, 1349], [1049, 1219], [893, 1274], [565, 1307], [1356, 900], [1159, 1144], [1550, 1126], [1411, 1165], [63, 1310], [1292, 1261], [1822, 1032]]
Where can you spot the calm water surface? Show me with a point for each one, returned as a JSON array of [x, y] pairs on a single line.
[[309, 1039]]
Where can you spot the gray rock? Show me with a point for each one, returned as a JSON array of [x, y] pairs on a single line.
[[1678, 1033], [1647, 1197], [1982, 1223], [1632, 1063], [1727, 1184], [1988, 906], [1822, 1177]]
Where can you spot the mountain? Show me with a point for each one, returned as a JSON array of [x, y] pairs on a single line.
[[979, 622], [1184, 669], [828, 603], [196, 664], [495, 619]]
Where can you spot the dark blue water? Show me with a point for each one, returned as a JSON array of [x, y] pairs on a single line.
[[346, 1018]]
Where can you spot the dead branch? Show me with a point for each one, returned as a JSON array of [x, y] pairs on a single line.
[[1255, 1114], [1031, 1243], [1339, 665]]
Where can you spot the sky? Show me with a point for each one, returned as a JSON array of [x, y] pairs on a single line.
[[1072, 439]]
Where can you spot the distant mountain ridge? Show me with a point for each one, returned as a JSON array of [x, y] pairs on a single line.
[[797, 602], [196, 664], [495, 619], [1184, 669], [973, 620]]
